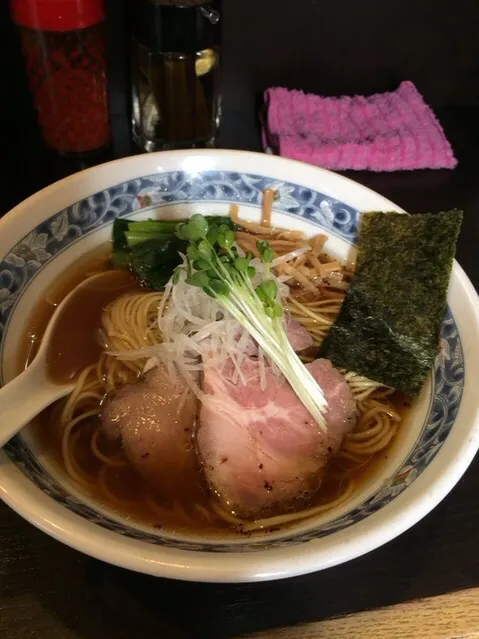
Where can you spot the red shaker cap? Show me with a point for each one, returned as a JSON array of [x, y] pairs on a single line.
[[57, 15]]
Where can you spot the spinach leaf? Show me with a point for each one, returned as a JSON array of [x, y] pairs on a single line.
[[154, 261]]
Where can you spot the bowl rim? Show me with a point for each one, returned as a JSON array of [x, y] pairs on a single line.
[[378, 528]]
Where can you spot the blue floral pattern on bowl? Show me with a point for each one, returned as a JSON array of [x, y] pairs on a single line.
[[40, 246]]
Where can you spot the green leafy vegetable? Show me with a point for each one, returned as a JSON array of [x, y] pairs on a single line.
[[214, 265], [133, 238], [389, 323], [153, 226], [150, 248], [154, 261]]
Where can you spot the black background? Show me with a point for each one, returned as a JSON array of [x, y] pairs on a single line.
[[50, 591]]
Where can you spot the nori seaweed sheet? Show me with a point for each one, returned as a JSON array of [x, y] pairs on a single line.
[[389, 324]]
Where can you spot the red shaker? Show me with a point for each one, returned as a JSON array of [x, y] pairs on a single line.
[[64, 51]]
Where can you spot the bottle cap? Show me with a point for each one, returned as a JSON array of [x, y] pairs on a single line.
[[177, 26], [57, 15]]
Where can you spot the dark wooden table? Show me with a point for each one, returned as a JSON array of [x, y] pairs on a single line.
[[49, 591]]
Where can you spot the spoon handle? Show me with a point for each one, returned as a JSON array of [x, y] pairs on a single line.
[[24, 398]]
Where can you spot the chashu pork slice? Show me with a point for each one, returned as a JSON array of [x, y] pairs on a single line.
[[261, 449], [155, 418]]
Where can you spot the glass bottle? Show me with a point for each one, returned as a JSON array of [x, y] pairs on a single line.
[[63, 47], [175, 73]]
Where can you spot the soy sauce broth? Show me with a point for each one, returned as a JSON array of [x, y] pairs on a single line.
[[76, 339], [95, 262]]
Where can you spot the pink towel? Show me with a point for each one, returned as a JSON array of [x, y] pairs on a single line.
[[383, 132]]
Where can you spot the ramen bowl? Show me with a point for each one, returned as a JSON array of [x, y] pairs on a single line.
[[43, 236]]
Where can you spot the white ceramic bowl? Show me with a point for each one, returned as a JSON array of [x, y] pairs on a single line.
[[50, 230]]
